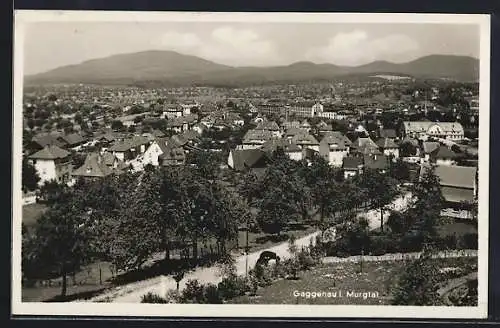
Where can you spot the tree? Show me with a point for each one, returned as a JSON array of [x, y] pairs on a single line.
[[281, 194], [52, 192], [30, 177], [399, 170], [381, 189], [428, 204], [206, 162], [397, 222], [417, 284], [408, 149], [62, 239], [117, 125]]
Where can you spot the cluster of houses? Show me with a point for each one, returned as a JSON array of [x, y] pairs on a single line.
[[418, 143]]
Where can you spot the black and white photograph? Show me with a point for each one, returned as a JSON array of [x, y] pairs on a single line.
[[250, 164]]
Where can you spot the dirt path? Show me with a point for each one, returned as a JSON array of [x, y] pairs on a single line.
[[133, 292]]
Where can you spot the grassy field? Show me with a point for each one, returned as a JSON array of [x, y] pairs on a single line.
[[32, 212], [375, 281]]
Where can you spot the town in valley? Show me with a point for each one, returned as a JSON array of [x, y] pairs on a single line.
[[229, 186]]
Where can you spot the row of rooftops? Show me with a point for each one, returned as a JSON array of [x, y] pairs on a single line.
[[450, 176]]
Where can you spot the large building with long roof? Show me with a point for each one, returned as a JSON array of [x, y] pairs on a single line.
[[443, 130]]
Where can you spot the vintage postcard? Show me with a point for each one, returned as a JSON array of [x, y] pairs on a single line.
[[275, 165]]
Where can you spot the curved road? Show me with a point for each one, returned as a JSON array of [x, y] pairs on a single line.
[[133, 292]]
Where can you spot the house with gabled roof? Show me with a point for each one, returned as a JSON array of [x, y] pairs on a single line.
[[333, 148], [445, 130], [292, 150], [129, 148], [365, 146], [352, 166], [38, 142], [96, 166], [306, 141], [72, 141], [443, 155], [305, 125], [388, 147], [270, 126], [292, 132], [52, 163], [171, 111], [379, 163], [458, 183], [254, 139], [172, 156], [155, 149]]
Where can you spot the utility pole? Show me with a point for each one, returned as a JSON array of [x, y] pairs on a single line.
[[246, 248]]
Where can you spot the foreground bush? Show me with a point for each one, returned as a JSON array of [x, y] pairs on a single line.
[[153, 298], [212, 295], [232, 286], [193, 293]]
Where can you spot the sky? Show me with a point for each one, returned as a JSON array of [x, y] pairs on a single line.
[[48, 45]]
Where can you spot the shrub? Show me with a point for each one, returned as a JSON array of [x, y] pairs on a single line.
[[153, 298], [253, 285], [411, 243], [305, 261], [468, 241], [292, 268], [193, 293], [278, 270], [448, 242], [172, 296], [211, 294], [232, 286]]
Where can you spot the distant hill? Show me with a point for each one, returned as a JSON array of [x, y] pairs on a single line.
[[172, 68]]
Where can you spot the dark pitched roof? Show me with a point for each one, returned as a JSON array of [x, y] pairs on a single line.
[[268, 125], [378, 162], [172, 154], [94, 166], [388, 133], [305, 139], [286, 145], [410, 140], [157, 133], [430, 146], [336, 138], [444, 153], [247, 158], [48, 139], [365, 146], [352, 163], [50, 152], [73, 139], [257, 135], [129, 143], [453, 176], [162, 143]]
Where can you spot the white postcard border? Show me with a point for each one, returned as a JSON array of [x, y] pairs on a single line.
[[272, 311]]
